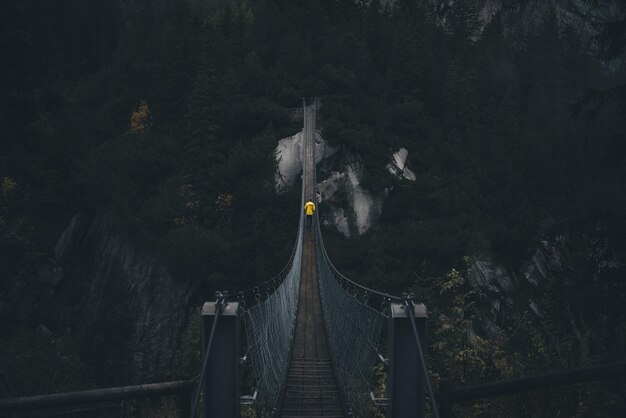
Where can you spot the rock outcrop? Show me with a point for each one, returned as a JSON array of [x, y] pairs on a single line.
[[560, 273], [593, 23], [132, 321], [351, 208]]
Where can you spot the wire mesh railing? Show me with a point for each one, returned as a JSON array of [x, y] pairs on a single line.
[[269, 320], [269, 312], [354, 317], [269, 328], [353, 321]]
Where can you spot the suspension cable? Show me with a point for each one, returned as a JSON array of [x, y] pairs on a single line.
[[372, 298], [269, 314], [410, 309], [218, 312], [353, 330]]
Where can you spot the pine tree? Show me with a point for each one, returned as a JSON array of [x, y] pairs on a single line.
[[463, 24], [176, 64], [201, 114]]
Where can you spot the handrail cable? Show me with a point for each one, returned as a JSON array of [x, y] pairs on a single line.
[[218, 311], [270, 318], [353, 330], [353, 320], [410, 309], [366, 291], [272, 284]]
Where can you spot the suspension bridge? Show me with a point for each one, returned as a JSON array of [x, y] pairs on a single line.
[[312, 334], [313, 339]]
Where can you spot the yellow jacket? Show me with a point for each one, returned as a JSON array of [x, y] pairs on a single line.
[[309, 207]]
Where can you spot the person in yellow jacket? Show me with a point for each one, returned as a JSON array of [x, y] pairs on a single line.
[[309, 209]]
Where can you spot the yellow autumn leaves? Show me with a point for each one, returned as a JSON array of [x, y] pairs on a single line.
[[141, 119], [7, 185]]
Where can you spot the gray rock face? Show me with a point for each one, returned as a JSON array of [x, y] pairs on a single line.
[[398, 166], [330, 191], [44, 332], [352, 209], [557, 263], [289, 157], [489, 275], [122, 305], [587, 20]]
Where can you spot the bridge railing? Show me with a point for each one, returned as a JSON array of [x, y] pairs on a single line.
[[354, 319], [67, 402], [448, 395], [269, 314]]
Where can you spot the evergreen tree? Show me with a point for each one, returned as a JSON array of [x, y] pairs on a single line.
[[461, 20]]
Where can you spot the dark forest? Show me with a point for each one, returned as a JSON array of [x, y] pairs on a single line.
[[154, 124]]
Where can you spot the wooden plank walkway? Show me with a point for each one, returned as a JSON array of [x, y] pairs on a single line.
[[311, 387]]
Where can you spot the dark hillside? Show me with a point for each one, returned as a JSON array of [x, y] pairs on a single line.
[[137, 169]]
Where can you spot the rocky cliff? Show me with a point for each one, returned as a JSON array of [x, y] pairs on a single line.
[[350, 206], [102, 305], [570, 287], [598, 25], [112, 287]]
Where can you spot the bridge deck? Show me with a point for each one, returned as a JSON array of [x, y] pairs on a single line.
[[311, 387]]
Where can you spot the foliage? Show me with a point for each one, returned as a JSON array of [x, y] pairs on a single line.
[[508, 130], [140, 120], [8, 184], [478, 337]]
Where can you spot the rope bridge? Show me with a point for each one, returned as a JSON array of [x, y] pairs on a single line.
[[269, 315], [312, 339], [353, 318], [300, 323]]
